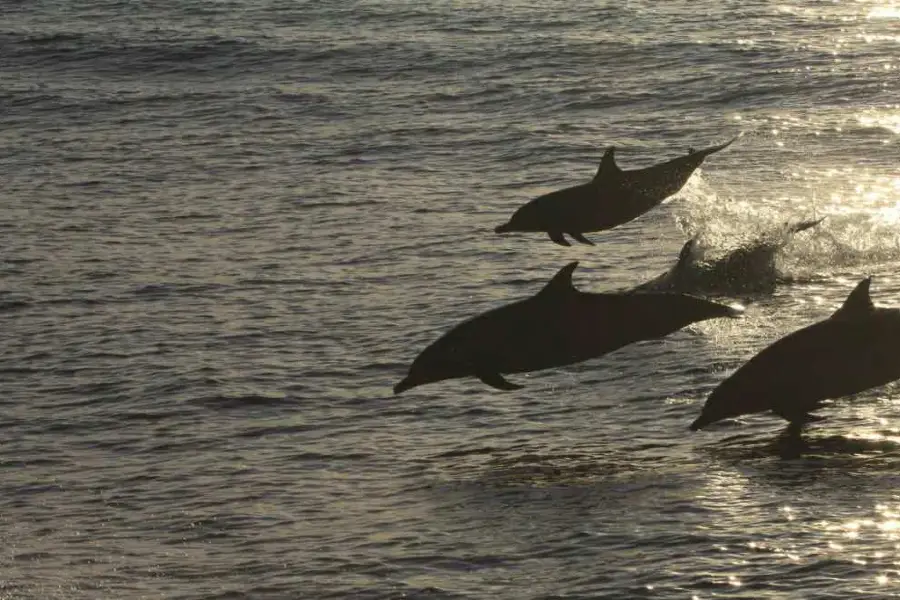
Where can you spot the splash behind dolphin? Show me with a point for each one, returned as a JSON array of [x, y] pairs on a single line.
[[750, 268], [611, 198], [558, 326], [856, 349]]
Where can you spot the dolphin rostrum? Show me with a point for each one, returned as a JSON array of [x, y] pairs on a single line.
[[558, 326], [855, 349], [750, 268], [611, 198]]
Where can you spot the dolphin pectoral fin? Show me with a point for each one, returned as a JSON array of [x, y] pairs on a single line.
[[798, 418], [580, 238], [497, 381], [558, 238]]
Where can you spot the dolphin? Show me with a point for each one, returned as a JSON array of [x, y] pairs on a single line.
[[558, 326], [748, 269], [611, 198], [855, 349]]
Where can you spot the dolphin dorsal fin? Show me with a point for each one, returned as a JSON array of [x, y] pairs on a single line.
[[608, 165], [686, 254], [857, 303], [561, 282]]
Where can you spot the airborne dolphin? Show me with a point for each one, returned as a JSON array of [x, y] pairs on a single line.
[[748, 269], [855, 349], [611, 198], [558, 326]]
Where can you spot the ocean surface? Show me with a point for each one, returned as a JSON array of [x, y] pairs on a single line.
[[227, 228]]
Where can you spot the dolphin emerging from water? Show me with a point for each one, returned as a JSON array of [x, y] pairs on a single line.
[[558, 326], [611, 198], [748, 269], [855, 349]]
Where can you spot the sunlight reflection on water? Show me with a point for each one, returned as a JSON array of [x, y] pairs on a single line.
[[889, 120], [884, 12]]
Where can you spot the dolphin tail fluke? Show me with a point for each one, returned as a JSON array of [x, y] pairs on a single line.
[[701, 154], [717, 309], [804, 225], [497, 381]]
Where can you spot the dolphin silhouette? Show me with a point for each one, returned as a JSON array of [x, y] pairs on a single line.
[[857, 348], [748, 269], [558, 326], [611, 198]]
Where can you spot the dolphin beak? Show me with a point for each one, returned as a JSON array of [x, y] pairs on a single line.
[[736, 310], [502, 228], [403, 386]]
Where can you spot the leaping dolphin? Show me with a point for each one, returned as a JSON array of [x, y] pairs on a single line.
[[611, 198], [558, 326], [855, 349], [748, 269]]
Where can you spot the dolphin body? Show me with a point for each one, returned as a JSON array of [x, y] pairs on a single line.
[[558, 326], [855, 349], [611, 198], [748, 269]]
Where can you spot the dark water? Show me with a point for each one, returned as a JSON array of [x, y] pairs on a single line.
[[227, 228]]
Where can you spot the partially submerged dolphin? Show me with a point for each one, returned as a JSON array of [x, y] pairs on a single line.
[[611, 198], [748, 269], [855, 349], [557, 326]]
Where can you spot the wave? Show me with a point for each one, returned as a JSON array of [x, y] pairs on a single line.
[[161, 52], [12, 305], [244, 401]]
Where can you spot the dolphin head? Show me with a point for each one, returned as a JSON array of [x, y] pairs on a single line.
[[730, 399], [702, 421], [409, 382], [743, 392], [439, 361], [712, 412], [526, 218]]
